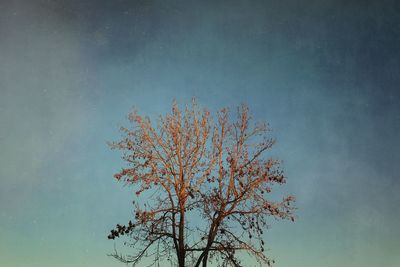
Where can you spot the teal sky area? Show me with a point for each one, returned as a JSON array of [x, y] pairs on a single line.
[[324, 74]]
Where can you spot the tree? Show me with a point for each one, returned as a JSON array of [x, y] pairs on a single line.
[[203, 187]]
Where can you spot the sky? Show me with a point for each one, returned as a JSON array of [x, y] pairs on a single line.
[[324, 74]]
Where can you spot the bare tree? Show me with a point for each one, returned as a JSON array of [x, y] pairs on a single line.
[[203, 187]]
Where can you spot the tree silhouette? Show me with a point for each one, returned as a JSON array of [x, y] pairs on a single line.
[[202, 185]]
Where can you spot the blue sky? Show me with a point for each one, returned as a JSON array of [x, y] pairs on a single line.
[[324, 74]]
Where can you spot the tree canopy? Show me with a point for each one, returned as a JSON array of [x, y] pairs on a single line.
[[203, 187]]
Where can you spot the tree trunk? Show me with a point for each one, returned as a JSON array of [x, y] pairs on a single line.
[[205, 260], [181, 241]]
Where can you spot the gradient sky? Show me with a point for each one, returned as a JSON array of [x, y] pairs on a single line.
[[324, 74]]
